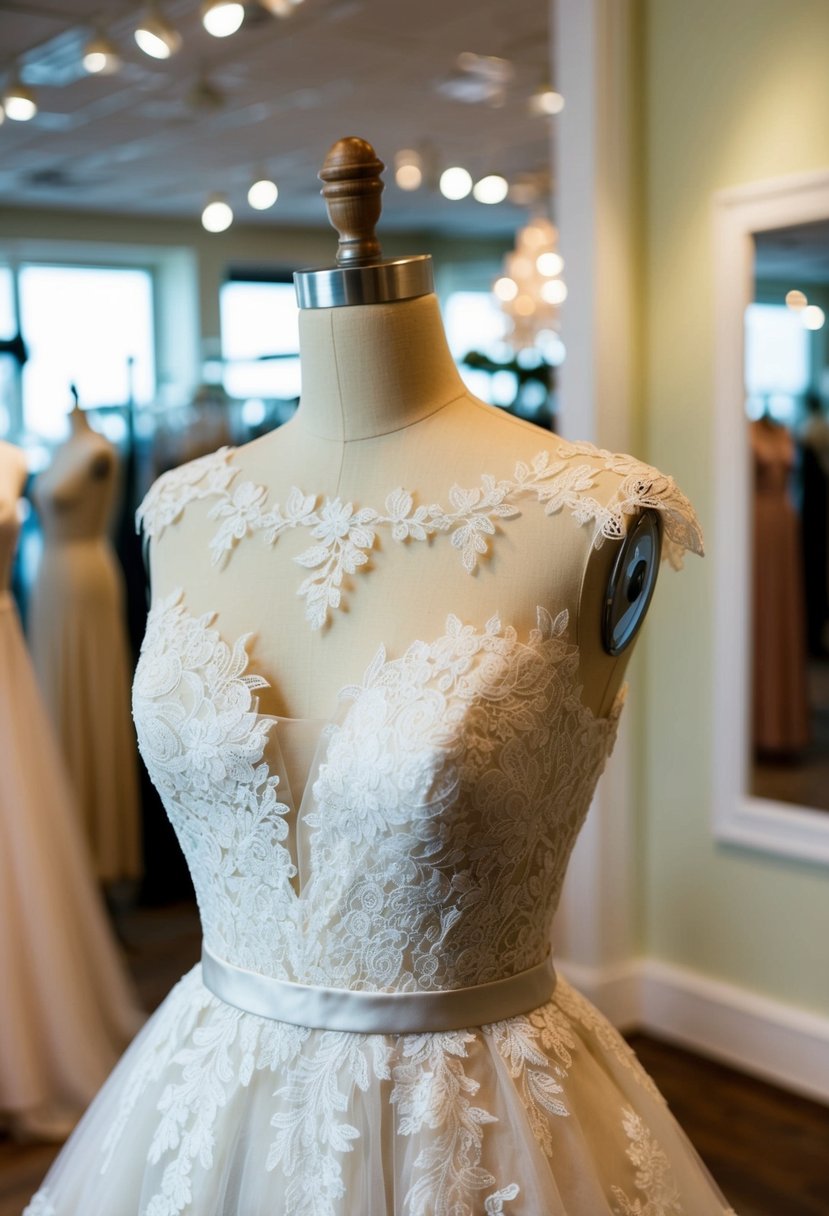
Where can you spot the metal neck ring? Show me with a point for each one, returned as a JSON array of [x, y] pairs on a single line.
[[381, 283]]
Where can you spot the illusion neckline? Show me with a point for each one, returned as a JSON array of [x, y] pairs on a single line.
[[381, 661]]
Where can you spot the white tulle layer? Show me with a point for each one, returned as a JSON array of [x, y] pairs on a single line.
[[213, 1112]]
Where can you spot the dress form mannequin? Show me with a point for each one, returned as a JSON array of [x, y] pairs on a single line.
[[68, 1008], [78, 637], [376, 1024], [383, 406]]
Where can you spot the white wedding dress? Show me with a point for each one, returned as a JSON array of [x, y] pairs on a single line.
[[375, 1027]]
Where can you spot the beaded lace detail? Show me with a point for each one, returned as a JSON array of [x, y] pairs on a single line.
[[343, 535]]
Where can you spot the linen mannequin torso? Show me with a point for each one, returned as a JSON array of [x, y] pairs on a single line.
[[365, 426]]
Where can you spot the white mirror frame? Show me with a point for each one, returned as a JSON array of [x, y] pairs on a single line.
[[740, 818]]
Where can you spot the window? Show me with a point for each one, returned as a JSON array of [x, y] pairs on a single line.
[[777, 360], [90, 326], [260, 339], [8, 329], [474, 322]]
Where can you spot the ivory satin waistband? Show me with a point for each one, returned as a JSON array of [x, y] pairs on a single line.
[[377, 1012]]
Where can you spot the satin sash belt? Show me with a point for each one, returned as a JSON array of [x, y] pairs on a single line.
[[377, 1012]]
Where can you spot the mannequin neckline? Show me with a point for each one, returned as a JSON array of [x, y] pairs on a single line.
[[366, 433]]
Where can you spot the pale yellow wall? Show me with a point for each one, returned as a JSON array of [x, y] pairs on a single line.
[[735, 91]]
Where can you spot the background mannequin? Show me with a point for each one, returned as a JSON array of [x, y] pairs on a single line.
[[779, 686], [80, 649], [68, 1008]]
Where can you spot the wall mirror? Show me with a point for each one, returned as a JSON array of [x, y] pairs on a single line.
[[771, 713]]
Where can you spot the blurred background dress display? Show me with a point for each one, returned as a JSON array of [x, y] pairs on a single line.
[[68, 1007], [780, 697], [78, 637]]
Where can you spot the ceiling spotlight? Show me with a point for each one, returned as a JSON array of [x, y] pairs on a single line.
[[455, 183], [263, 194], [217, 215], [100, 56], [491, 189], [19, 102], [154, 34], [408, 170], [222, 17], [546, 102]]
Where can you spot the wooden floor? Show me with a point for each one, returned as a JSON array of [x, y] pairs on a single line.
[[767, 1149]]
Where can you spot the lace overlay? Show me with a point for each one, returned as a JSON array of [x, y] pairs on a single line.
[[343, 535], [447, 802], [427, 853]]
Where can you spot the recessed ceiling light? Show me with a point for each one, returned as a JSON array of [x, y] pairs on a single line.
[[100, 56], [222, 17], [263, 193], [19, 102], [154, 34], [455, 183], [408, 170], [217, 215], [491, 189]]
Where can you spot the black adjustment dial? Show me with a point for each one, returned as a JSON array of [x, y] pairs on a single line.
[[631, 583]]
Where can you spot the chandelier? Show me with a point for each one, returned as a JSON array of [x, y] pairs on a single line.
[[531, 289]]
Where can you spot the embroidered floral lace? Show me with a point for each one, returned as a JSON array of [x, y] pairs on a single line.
[[428, 852]]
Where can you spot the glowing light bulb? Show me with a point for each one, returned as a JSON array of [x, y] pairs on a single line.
[[554, 291], [217, 215], [491, 189], [505, 288], [455, 183], [222, 17], [263, 194], [155, 36], [796, 300], [549, 264], [812, 317], [19, 101]]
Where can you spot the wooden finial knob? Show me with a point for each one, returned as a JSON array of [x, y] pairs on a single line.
[[352, 189]]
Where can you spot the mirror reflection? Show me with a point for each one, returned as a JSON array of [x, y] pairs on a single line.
[[787, 382]]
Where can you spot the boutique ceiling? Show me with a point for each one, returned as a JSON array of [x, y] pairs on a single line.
[[452, 79]]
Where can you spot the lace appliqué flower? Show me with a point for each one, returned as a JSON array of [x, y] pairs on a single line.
[[654, 1176], [344, 535]]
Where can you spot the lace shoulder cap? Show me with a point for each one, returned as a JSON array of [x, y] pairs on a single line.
[[639, 486], [167, 497]]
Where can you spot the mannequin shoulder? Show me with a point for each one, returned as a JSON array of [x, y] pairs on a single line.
[[607, 491], [169, 496]]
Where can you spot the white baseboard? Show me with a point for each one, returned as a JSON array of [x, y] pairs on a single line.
[[768, 1038]]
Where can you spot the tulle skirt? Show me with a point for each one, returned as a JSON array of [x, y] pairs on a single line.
[[80, 650], [216, 1112], [67, 1006]]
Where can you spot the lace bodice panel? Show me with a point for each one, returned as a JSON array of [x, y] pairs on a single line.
[[435, 834], [431, 843]]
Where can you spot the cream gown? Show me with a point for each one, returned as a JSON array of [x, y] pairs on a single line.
[[68, 1009], [78, 637], [375, 1027]]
